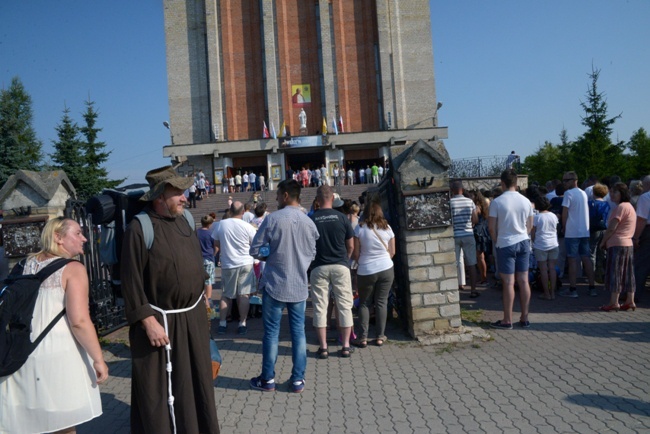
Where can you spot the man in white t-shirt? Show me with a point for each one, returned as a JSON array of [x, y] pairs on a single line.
[[641, 239], [252, 178], [350, 176], [245, 181], [510, 221], [575, 221], [234, 237]]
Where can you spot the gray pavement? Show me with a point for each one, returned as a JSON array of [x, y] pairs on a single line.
[[576, 370]]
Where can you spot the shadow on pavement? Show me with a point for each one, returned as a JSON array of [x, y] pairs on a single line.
[[116, 414], [611, 403]]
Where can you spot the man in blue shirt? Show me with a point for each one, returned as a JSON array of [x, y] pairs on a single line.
[[291, 238]]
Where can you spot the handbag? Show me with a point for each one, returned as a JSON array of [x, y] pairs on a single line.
[[381, 240], [216, 358]]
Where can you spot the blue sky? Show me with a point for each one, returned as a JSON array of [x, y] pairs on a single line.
[[510, 73]]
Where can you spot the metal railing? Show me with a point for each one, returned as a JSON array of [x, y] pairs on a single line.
[[478, 167], [106, 311]]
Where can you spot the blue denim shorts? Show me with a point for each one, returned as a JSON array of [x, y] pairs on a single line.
[[576, 247], [514, 258]]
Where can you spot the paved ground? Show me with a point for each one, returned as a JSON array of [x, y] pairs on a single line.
[[576, 370]]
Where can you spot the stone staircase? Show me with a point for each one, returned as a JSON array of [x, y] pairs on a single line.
[[218, 202]]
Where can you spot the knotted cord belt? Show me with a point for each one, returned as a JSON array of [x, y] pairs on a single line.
[[168, 352]]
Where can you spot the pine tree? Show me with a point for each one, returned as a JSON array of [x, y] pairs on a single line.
[[594, 152], [68, 154], [96, 176], [639, 146], [19, 147]]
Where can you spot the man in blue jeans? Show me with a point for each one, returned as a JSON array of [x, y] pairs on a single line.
[[510, 221], [575, 221], [291, 238]]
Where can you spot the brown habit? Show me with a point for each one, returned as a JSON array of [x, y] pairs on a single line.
[[169, 276]]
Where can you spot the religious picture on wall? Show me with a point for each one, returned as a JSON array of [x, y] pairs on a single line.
[[275, 172], [218, 176], [300, 95]]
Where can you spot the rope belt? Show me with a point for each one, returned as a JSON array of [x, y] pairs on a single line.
[[168, 352]]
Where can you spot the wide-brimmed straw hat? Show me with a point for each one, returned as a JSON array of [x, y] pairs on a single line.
[[159, 178]]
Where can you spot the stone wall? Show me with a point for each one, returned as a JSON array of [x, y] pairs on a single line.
[[434, 297]]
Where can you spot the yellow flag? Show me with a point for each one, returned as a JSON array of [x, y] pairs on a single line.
[[324, 126], [283, 130]]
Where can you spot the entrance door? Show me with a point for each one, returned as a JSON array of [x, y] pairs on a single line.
[[310, 161], [251, 164]]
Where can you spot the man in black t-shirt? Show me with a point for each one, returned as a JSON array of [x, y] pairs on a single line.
[[331, 267]]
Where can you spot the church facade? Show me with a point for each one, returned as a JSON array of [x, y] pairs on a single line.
[[263, 86]]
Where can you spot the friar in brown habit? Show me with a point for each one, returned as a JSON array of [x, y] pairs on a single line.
[[166, 277]]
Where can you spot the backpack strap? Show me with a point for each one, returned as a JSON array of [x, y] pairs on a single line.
[[190, 218], [42, 275], [52, 268], [147, 226]]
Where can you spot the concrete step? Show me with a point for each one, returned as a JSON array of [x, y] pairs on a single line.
[[218, 202]]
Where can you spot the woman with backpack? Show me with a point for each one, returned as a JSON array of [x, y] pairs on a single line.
[[56, 388]]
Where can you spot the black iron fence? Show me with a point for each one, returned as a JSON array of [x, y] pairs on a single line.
[[106, 309], [478, 167]]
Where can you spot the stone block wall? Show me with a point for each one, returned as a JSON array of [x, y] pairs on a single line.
[[434, 298]]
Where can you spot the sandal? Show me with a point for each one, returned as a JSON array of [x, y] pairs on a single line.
[[322, 353], [345, 352], [474, 294], [359, 343], [379, 342]]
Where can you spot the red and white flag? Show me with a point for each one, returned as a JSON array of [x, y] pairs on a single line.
[[341, 124], [265, 132], [336, 128]]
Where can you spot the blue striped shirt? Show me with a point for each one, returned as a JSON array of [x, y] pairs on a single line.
[[291, 237], [461, 215]]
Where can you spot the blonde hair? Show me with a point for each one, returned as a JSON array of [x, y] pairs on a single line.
[[58, 226]]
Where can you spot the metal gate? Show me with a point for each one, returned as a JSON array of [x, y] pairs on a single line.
[[106, 309]]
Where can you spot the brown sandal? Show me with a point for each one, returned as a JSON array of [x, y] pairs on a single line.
[[379, 342]]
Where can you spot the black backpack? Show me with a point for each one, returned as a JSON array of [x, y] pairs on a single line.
[[17, 302]]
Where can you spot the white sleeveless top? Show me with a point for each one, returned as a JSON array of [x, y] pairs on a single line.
[[56, 388]]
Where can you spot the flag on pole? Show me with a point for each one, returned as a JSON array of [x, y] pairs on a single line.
[[283, 130], [273, 131], [336, 128], [341, 124], [324, 126], [265, 132]]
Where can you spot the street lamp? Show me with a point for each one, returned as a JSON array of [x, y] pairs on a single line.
[[435, 114], [171, 135]]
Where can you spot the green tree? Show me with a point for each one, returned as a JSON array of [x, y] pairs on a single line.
[[639, 146], [95, 176], [68, 154], [549, 161], [594, 152], [19, 147]]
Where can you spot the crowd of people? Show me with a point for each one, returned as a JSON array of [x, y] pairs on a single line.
[[342, 255], [341, 251], [338, 175], [598, 228]]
